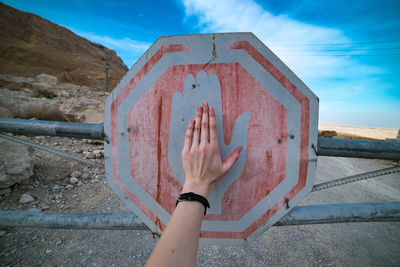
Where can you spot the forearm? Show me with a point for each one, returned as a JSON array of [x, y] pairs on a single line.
[[179, 242], [203, 167]]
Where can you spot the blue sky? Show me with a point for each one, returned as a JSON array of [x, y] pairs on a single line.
[[347, 52]]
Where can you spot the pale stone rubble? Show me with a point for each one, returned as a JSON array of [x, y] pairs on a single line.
[[26, 198], [45, 98], [17, 164]]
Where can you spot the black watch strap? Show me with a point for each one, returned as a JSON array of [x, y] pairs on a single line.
[[193, 197]]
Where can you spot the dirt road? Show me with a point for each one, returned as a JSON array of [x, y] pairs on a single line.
[[358, 244]]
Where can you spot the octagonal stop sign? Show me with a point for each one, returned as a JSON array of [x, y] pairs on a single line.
[[260, 105]]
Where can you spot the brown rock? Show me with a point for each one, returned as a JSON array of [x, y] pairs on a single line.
[[31, 45], [24, 105], [82, 110]]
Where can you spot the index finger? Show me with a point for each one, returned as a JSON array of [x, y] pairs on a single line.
[[204, 124], [213, 126]]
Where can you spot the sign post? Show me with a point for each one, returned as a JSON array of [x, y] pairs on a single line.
[[260, 105]]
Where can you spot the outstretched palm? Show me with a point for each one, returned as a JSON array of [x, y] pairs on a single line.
[[205, 87]]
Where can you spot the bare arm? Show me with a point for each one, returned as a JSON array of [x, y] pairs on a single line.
[[203, 168]]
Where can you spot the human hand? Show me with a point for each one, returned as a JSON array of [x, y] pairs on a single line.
[[201, 158]]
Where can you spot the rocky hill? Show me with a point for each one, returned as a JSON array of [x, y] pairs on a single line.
[[31, 45]]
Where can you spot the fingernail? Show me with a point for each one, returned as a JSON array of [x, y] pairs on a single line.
[[205, 104], [199, 108], [211, 108]]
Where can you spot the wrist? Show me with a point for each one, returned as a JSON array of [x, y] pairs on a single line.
[[197, 188]]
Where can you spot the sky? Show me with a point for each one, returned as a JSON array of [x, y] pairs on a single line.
[[346, 52]]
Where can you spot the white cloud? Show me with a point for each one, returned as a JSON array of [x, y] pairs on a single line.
[[129, 50], [248, 16], [341, 82], [125, 44]]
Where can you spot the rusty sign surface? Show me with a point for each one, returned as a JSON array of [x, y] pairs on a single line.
[[260, 105]]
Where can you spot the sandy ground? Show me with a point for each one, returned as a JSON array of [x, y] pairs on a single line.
[[356, 244], [360, 132]]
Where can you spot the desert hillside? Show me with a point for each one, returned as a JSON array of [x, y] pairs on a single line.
[[31, 45]]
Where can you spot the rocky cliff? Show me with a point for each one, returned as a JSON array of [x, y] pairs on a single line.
[[31, 45]]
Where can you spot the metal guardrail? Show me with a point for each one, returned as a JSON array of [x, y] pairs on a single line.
[[45, 148], [358, 148], [342, 213], [315, 214], [300, 215], [53, 128], [355, 178], [326, 146]]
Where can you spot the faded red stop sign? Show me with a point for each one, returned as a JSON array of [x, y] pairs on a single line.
[[260, 105]]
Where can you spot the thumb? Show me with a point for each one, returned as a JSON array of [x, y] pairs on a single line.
[[230, 161]]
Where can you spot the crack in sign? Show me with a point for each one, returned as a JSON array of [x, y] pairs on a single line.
[[183, 110], [214, 52]]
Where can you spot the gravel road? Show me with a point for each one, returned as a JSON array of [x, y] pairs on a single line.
[[357, 244]]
